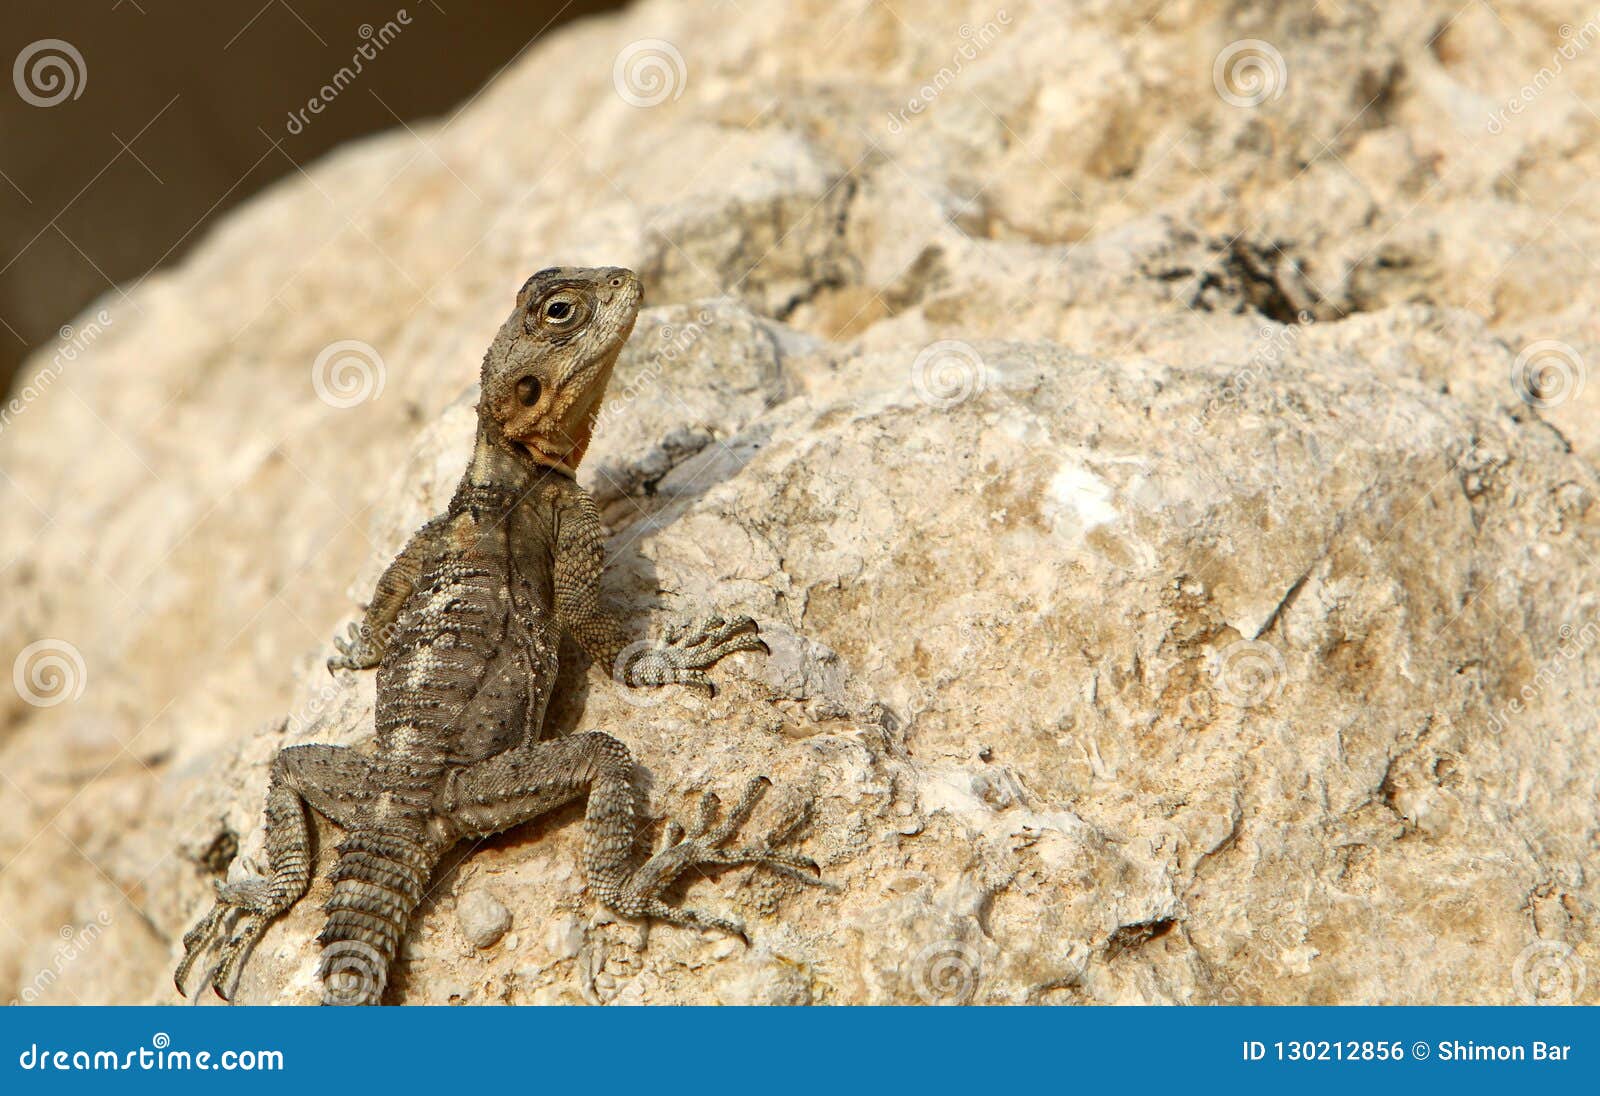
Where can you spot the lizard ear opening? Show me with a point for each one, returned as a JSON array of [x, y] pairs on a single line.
[[528, 391]]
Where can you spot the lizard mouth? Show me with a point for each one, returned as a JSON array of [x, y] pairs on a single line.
[[544, 454]]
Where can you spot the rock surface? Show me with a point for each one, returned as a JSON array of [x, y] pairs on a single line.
[[482, 918], [1171, 502]]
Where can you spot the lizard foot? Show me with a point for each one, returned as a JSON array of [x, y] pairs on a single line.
[[242, 912], [355, 652], [687, 651], [640, 896]]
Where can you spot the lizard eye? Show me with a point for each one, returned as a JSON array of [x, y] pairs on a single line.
[[528, 389], [560, 312]]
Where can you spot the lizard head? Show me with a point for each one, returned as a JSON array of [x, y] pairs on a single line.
[[546, 372]]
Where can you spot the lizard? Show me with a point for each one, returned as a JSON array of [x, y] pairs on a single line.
[[464, 628]]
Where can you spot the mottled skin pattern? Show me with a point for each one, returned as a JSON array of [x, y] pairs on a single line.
[[464, 628]]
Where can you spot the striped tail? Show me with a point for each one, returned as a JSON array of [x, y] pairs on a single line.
[[377, 882]]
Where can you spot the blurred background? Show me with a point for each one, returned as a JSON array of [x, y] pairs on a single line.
[[184, 110]]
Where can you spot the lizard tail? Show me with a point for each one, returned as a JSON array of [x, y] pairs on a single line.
[[377, 882]]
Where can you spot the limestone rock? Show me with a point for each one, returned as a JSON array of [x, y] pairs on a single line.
[[1173, 516], [482, 918]]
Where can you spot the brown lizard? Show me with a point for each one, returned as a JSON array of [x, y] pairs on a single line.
[[464, 628]]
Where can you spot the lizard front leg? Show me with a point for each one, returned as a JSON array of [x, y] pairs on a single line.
[[523, 783], [365, 643], [686, 651], [331, 780]]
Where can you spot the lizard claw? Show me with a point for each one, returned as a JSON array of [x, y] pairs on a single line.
[[687, 651], [703, 845], [237, 920], [355, 653]]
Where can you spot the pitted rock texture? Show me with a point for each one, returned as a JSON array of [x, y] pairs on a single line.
[[1173, 598]]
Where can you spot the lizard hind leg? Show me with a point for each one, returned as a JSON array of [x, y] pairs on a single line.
[[521, 784], [328, 778], [703, 845]]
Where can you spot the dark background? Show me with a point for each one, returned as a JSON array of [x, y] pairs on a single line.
[[177, 116]]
